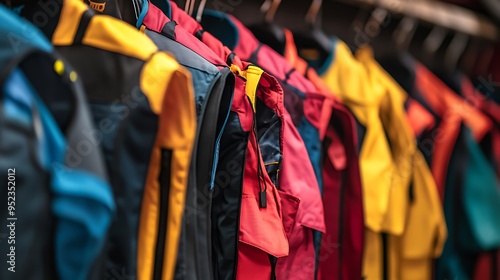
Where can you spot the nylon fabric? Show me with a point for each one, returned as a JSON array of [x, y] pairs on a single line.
[[378, 104], [301, 240], [176, 132], [272, 101], [365, 100], [228, 179], [19, 146], [131, 97], [342, 182], [74, 214], [213, 87], [456, 155], [226, 202], [488, 264], [459, 112], [270, 237]]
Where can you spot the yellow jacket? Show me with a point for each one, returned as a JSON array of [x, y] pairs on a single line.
[[389, 163]]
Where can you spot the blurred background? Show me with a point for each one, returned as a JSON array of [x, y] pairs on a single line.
[[457, 34]]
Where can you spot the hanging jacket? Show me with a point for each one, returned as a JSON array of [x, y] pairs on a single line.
[[459, 111], [262, 235], [388, 158], [207, 38], [476, 196], [147, 139], [487, 233], [488, 264], [492, 110], [213, 87], [262, 229], [302, 257], [57, 177], [377, 163], [342, 192], [425, 230], [299, 93], [377, 166], [228, 199], [231, 173], [455, 158], [300, 263]]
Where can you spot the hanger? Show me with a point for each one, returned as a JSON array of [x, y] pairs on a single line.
[[439, 13], [189, 6], [269, 8], [434, 40], [268, 32], [312, 13], [375, 23], [428, 52], [199, 12], [313, 37], [455, 50], [404, 32], [137, 4]]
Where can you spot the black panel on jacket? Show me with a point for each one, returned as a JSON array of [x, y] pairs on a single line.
[[34, 227], [227, 199]]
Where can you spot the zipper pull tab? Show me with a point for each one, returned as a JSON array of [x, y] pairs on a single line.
[[262, 199]]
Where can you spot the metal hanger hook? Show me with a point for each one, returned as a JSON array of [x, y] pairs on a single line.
[[269, 8], [313, 12], [403, 34], [201, 7]]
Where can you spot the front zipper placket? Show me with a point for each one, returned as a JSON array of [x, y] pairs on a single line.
[[163, 192]]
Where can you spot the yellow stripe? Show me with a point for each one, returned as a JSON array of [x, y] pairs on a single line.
[[170, 94], [127, 41], [253, 75], [71, 14], [154, 79], [103, 32], [178, 127]]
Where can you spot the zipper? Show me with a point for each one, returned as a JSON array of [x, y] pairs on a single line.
[[385, 256], [164, 190], [260, 175], [273, 261]]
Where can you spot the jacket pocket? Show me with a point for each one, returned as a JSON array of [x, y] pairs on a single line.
[[289, 208], [262, 227]]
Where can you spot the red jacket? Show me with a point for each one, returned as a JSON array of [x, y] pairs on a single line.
[[342, 194], [243, 233], [261, 237], [297, 182], [342, 189], [297, 177]]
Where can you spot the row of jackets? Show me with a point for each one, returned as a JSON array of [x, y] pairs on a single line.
[[177, 149]]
